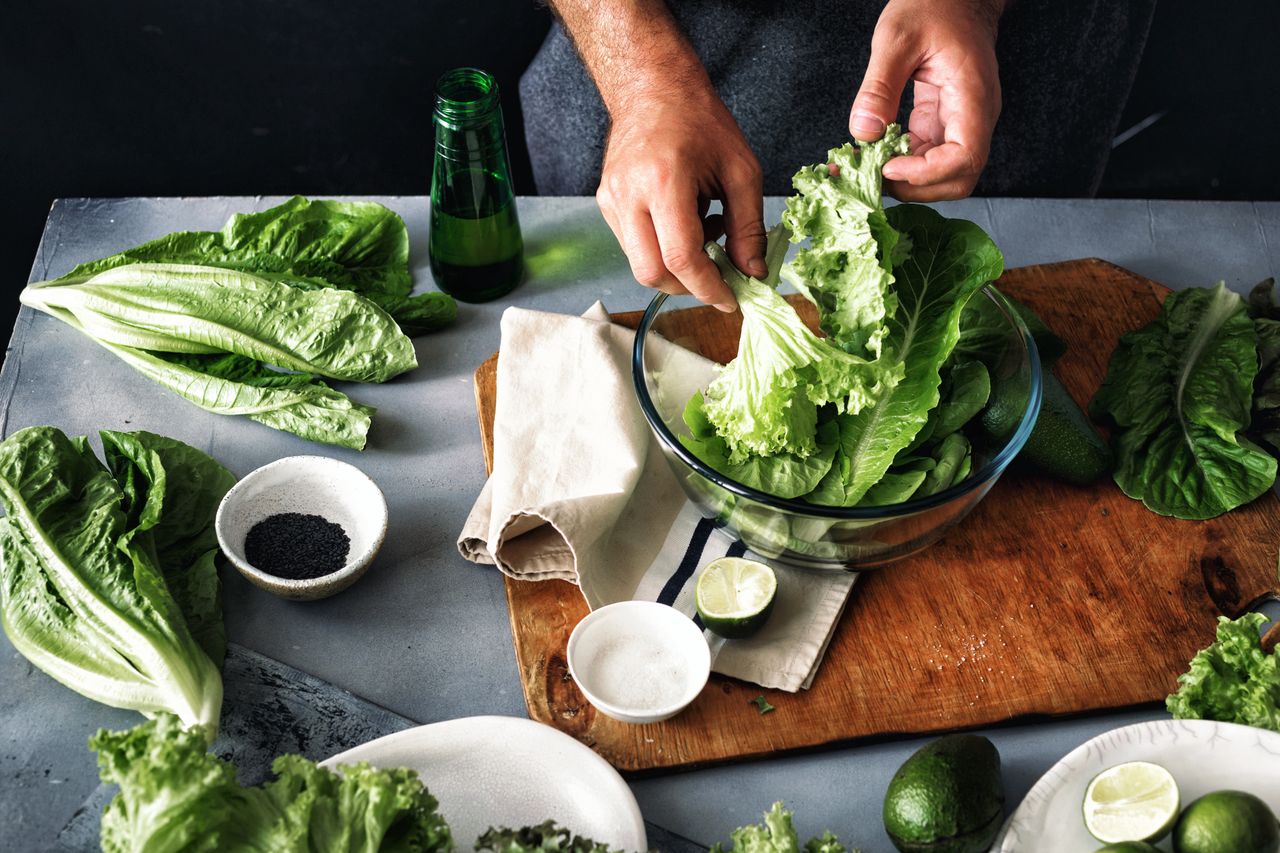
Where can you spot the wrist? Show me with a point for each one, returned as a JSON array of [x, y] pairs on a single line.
[[668, 78]]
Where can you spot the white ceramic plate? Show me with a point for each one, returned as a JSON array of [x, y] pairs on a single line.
[[509, 771], [1203, 756]]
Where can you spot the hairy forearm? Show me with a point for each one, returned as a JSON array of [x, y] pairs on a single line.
[[633, 49]]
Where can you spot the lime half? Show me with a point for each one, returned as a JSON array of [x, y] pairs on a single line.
[[734, 596], [1135, 801]]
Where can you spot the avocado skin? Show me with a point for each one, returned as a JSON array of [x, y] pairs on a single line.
[[946, 798], [1063, 443]]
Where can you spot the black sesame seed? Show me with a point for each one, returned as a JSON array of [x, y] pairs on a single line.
[[296, 546]]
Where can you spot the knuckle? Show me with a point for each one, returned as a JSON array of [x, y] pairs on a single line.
[[647, 274], [678, 260], [892, 32]]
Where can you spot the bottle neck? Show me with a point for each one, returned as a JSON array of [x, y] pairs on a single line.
[[468, 116]]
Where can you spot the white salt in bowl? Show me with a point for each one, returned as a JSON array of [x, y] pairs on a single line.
[[311, 485], [638, 661]]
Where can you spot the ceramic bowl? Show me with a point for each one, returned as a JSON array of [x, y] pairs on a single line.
[[638, 661], [313, 485]]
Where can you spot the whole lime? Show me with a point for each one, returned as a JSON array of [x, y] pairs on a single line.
[[1227, 822], [946, 798]]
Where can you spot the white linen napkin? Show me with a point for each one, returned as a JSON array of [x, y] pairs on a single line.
[[580, 491]]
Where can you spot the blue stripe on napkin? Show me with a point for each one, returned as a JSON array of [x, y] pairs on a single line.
[[689, 564]]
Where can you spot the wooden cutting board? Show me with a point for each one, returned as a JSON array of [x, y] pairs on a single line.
[[1047, 599]]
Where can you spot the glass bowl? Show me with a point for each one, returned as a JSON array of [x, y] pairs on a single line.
[[794, 531]]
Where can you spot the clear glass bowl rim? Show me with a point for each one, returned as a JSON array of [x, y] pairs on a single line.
[[988, 472]]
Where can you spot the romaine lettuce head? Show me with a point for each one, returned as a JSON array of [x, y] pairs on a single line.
[[847, 269], [99, 576], [766, 400]]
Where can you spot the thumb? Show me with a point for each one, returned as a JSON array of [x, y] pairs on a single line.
[[891, 66]]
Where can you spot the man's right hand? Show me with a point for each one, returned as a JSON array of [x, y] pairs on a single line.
[[666, 158], [673, 147]]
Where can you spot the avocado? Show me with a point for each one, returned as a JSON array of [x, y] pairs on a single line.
[[946, 798], [1063, 443]]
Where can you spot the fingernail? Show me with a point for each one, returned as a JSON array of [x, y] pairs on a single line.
[[867, 123], [756, 267], [891, 172], [726, 307]]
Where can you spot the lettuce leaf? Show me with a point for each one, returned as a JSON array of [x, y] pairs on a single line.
[[201, 310], [546, 837], [233, 384], [949, 261], [1264, 423], [846, 270], [1180, 392], [351, 245], [83, 595], [786, 475], [176, 796], [765, 401], [1233, 680], [777, 834]]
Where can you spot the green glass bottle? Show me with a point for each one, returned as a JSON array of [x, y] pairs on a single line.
[[477, 253]]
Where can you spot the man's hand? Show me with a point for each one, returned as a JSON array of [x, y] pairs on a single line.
[[947, 48], [672, 148]]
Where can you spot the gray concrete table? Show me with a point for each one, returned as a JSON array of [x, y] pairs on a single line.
[[425, 634]]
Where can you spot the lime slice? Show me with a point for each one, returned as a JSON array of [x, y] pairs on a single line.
[[1135, 801], [734, 596]]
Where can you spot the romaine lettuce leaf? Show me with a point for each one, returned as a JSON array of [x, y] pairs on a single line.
[[1264, 424], [176, 796], [169, 494], [202, 309], [81, 594], [950, 260], [352, 245], [1233, 680], [765, 401], [847, 268], [1180, 391]]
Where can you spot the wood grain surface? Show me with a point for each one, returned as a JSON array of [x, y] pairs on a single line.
[[1048, 599]]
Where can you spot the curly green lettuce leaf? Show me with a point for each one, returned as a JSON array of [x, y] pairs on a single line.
[[81, 594], [949, 261], [786, 475], [546, 837], [1233, 680], [765, 401], [847, 268], [1180, 393], [351, 245], [176, 796], [777, 834], [185, 308]]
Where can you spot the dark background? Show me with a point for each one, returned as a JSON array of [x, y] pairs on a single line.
[[141, 97]]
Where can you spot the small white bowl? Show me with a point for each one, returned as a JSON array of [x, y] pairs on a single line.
[[638, 661], [312, 485]]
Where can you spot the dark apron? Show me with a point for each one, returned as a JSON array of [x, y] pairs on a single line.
[[788, 71]]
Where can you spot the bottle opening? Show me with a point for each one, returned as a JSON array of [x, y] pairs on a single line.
[[466, 93]]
